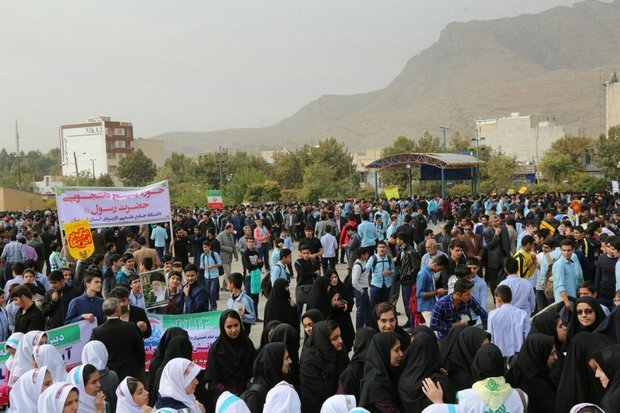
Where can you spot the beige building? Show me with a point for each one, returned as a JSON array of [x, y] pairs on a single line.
[[525, 137], [152, 148], [612, 116], [363, 159]]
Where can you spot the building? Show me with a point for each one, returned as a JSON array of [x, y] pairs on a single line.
[[367, 176], [47, 185], [96, 145], [612, 106], [16, 200], [525, 137]]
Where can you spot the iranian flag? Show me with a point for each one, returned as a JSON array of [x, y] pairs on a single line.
[[215, 200]]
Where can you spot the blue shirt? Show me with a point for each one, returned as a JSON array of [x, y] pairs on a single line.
[[208, 260], [159, 235], [137, 300], [366, 231], [425, 284], [508, 327], [279, 271], [567, 276], [445, 314], [84, 305], [244, 302], [480, 294], [523, 296], [380, 264]]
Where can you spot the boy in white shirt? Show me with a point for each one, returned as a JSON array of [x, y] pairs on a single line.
[[508, 325]]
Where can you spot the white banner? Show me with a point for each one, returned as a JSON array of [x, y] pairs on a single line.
[[107, 207]]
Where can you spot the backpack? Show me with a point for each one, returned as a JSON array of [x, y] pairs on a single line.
[[548, 287], [348, 280], [220, 268], [265, 285]]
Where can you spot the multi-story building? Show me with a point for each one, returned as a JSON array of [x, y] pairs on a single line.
[[96, 145], [612, 99]]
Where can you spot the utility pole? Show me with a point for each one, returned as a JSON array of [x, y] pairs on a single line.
[[477, 138], [93, 163], [219, 161], [443, 178], [77, 172], [19, 166]]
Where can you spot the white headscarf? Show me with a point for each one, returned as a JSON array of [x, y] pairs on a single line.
[[340, 403], [282, 398], [23, 355], [95, 353], [24, 395], [87, 402], [125, 402], [229, 403], [53, 398], [580, 406], [358, 410], [441, 408], [12, 342], [47, 355], [176, 376]]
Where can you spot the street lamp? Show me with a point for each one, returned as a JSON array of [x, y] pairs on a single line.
[[410, 184], [77, 170], [477, 139], [92, 161]]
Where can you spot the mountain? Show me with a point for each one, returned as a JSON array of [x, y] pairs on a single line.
[[548, 64]]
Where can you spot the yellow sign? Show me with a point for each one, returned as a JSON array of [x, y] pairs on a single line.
[[545, 224], [79, 239], [511, 191], [391, 192], [523, 190]]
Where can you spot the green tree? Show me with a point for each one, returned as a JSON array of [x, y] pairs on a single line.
[[498, 172], [573, 146], [460, 143], [557, 166], [136, 169], [175, 169], [607, 153], [105, 180], [316, 176], [236, 190], [288, 168], [268, 191]]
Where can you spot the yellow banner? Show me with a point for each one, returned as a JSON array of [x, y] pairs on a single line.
[[545, 224], [79, 239], [511, 191], [523, 190], [391, 192]]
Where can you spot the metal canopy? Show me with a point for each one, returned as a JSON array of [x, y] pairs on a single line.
[[439, 160]]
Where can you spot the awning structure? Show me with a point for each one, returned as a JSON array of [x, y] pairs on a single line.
[[438, 160]]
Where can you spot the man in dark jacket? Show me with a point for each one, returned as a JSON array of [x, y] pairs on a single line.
[[122, 340], [28, 317], [57, 298], [131, 313], [195, 295]]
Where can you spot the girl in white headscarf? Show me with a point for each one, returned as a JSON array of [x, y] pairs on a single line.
[[86, 378], [23, 356], [59, 398], [47, 355], [282, 398], [26, 392], [177, 386], [340, 403], [132, 397], [10, 346], [229, 403], [95, 353]]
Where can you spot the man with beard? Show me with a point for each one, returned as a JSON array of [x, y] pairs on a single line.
[[132, 313]]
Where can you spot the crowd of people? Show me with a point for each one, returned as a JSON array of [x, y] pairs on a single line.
[[510, 306]]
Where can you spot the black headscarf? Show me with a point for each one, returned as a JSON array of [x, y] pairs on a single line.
[[320, 369], [380, 377], [286, 334], [160, 352], [461, 355], [278, 306], [319, 298], [178, 346], [608, 359], [342, 316], [575, 326], [610, 328], [268, 365], [267, 330], [314, 315], [403, 336], [351, 377], [421, 360], [580, 386], [488, 362], [531, 374], [546, 323], [230, 359]]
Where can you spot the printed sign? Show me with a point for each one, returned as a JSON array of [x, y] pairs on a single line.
[[79, 239], [154, 288], [391, 192], [106, 207], [215, 200], [203, 329]]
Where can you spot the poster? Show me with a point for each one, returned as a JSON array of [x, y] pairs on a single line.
[[203, 329], [79, 239], [106, 207], [215, 200], [391, 192], [154, 288], [614, 187], [69, 340]]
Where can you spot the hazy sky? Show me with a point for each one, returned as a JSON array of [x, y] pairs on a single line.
[[206, 65]]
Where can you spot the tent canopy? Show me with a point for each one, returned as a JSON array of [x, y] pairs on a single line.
[[438, 160]]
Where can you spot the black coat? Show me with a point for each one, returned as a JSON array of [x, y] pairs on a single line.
[[56, 312], [32, 319], [138, 314], [125, 347]]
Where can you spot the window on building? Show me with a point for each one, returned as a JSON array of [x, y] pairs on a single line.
[[121, 155], [588, 158], [119, 144], [111, 169], [108, 132], [119, 131], [111, 156]]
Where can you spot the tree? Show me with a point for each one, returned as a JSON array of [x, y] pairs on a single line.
[[460, 143], [607, 153], [558, 166], [136, 169], [105, 180], [288, 168], [497, 173], [315, 178], [268, 191], [573, 146], [235, 191]]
